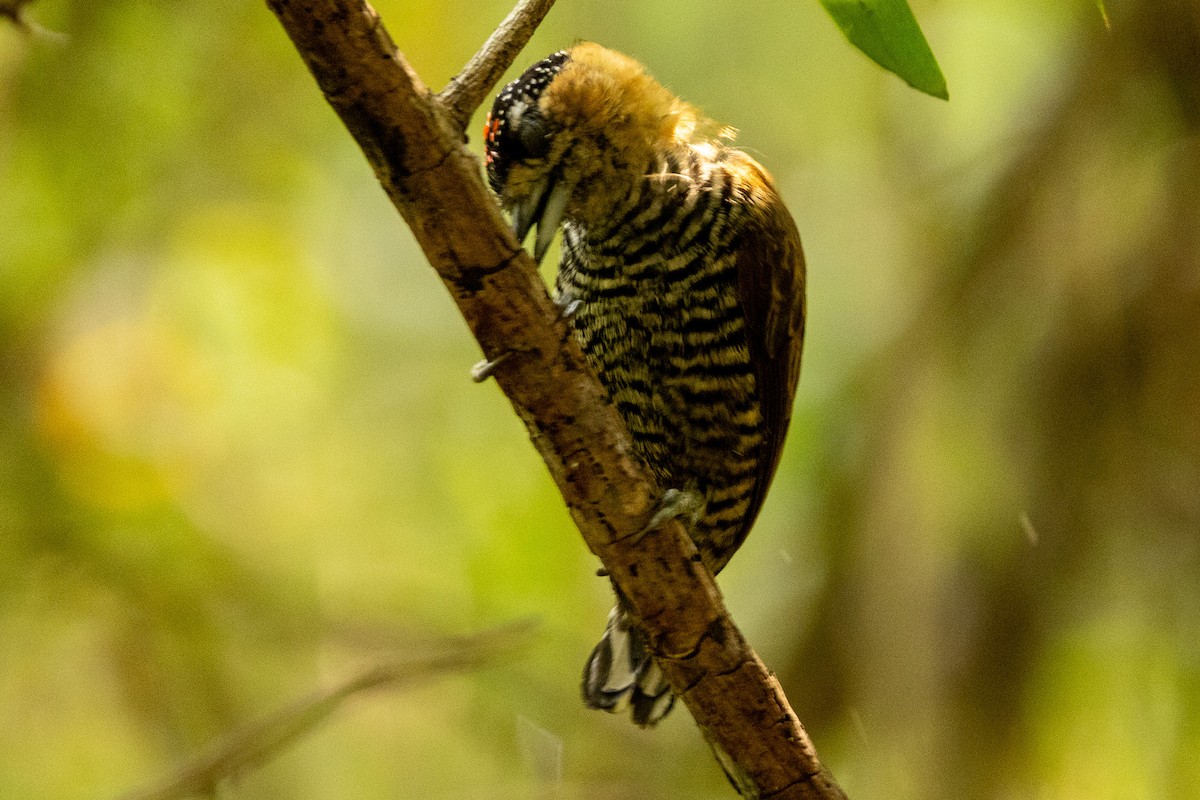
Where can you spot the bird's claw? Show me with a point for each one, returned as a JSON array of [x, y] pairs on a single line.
[[484, 369], [675, 503], [567, 307]]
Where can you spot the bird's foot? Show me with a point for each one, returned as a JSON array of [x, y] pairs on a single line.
[[684, 504]]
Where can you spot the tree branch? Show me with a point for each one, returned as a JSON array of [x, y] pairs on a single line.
[[467, 90], [414, 144]]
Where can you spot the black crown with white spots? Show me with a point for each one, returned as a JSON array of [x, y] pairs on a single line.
[[515, 129]]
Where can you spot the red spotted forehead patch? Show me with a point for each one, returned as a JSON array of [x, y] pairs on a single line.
[[490, 129]]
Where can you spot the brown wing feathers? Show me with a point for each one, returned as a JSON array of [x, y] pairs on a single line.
[[771, 276]]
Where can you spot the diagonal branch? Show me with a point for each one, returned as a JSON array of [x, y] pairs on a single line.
[[467, 91], [415, 148]]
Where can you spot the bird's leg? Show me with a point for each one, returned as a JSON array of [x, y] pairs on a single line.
[[684, 504]]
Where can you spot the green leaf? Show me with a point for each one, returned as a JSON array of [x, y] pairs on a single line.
[[888, 33]]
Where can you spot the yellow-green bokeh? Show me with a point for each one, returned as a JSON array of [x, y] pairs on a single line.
[[241, 456]]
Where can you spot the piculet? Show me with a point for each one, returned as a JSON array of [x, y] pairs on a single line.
[[683, 277]]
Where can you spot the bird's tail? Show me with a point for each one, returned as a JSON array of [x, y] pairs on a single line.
[[621, 674]]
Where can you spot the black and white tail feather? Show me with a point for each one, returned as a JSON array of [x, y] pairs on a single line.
[[621, 674]]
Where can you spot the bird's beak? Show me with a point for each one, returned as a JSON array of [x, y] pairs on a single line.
[[544, 207]]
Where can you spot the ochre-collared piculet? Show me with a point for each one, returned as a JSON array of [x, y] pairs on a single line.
[[684, 279]]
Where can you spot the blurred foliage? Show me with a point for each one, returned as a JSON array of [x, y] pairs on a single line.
[[241, 457]]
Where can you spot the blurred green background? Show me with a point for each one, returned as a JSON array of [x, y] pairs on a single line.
[[241, 457]]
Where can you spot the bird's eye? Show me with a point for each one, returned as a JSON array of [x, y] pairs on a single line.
[[533, 136]]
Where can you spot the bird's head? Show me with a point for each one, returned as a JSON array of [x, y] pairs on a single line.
[[573, 136]]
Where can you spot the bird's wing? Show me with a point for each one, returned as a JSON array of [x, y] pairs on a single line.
[[770, 266]]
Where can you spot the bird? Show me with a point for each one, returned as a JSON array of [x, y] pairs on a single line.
[[683, 277]]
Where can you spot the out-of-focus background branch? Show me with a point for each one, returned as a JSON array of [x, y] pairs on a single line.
[[240, 452], [258, 741]]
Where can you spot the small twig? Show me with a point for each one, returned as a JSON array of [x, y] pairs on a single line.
[[267, 737], [467, 90]]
